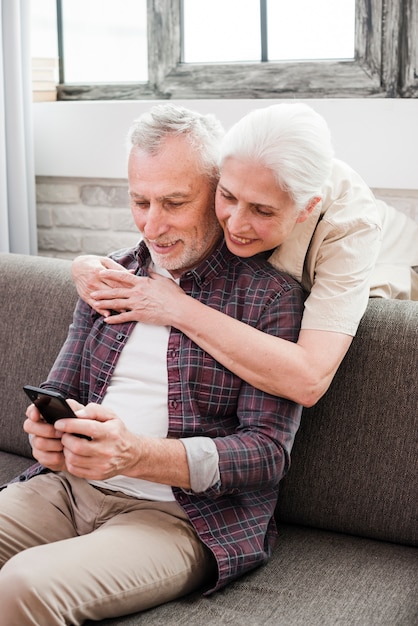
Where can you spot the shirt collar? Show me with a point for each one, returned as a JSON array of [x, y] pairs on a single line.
[[290, 255], [211, 266], [202, 273]]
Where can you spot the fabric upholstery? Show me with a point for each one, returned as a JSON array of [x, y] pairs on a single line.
[[347, 505], [315, 578], [36, 306], [354, 461], [11, 465]]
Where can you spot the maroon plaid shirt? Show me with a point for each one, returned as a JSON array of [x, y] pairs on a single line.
[[253, 430]]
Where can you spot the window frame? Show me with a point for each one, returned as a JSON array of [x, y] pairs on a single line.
[[409, 50], [385, 64]]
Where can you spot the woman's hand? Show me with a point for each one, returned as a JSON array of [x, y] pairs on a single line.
[[151, 300], [87, 275]]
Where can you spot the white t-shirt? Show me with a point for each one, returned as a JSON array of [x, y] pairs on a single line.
[[138, 393]]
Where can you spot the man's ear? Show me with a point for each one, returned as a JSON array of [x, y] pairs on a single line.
[[305, 213]]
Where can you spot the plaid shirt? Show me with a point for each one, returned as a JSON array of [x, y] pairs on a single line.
[[253, 431]]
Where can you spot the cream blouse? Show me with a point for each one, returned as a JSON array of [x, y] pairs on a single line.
[[350, 248]]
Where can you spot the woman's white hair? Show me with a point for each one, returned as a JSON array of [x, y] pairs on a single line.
[[292, 140], [203, 131]]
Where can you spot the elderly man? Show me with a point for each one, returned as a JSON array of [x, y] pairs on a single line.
[[176, 486]]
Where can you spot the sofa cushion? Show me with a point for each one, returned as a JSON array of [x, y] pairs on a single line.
[[11, 466], [35, 315], [314, 578], [354, 462]]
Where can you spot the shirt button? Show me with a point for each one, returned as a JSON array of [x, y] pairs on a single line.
[[119, 336]]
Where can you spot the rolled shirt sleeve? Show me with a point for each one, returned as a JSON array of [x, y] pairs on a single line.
[[203, 460]]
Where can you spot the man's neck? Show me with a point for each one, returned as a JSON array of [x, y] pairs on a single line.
[[153, 267]]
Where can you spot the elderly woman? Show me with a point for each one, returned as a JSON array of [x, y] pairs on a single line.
[[280, 192]]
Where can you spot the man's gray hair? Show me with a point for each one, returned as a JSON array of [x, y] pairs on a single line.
[[290, 139], [203, 131]]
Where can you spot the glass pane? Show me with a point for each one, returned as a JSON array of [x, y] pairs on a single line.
[[307, 29], [44, 43], [105, 41], [44, 50], [221, 31]]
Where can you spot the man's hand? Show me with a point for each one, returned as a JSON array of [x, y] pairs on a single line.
[[114, 450], [111, 450], [45, 440], [87, 276]]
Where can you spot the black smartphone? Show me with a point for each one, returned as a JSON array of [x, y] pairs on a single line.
[[51, 405]]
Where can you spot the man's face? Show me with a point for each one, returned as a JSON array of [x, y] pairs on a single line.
[[172, 204]]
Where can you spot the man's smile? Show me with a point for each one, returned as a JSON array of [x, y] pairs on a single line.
[[162, 247]]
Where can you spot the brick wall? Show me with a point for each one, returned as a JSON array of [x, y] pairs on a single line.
[[83, 216], [92, 216]]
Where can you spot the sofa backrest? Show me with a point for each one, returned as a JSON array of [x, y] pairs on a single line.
[[354, 462], [36, 304]]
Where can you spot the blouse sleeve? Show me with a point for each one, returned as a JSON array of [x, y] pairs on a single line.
[[341, 283], [342, 255]]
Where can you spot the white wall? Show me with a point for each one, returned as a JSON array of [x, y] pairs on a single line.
[[377, 137]]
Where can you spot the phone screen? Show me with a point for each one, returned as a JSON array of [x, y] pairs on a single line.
[[50, 404]]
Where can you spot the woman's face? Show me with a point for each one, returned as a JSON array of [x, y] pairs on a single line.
[[255, 214]]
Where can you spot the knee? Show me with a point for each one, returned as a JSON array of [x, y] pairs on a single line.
[[29, 593], [18, 579]]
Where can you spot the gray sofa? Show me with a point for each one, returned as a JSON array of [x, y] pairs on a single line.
[[347, 512]]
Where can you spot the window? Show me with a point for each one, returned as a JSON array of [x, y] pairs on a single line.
[[270, 30], [382, 61], [103, 41], [43, 29]]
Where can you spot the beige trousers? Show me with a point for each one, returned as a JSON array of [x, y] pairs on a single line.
[[70, 552]]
